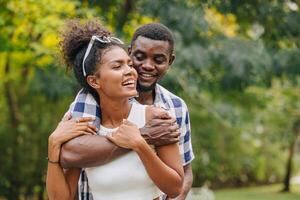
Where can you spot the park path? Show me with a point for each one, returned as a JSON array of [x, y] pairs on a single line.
[[296, 179], [204, 193]]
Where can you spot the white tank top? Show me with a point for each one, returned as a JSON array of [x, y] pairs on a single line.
[[124, 178]]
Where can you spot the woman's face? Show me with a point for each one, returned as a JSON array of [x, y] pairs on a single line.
[[115, 75]]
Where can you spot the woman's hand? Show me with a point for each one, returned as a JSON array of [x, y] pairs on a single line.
[[127, 136], [66, 130]]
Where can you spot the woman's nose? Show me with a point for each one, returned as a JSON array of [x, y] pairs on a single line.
[[129, 69]]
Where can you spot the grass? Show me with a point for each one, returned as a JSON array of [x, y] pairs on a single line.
[[270, 192]]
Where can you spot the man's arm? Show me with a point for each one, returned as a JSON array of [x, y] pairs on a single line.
[[91, 151]]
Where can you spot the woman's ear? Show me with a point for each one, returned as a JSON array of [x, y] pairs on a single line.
[[93, 81]]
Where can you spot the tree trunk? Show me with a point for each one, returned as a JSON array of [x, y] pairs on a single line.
[[123, 17], [289, 167], [289, 164], [15, 118], [42, 190]]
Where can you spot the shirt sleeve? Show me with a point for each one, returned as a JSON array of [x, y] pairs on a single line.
[[84, 105], [185, 141], [74, 104], [70, 110]]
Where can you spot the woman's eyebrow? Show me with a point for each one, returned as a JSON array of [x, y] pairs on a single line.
[[120, 61]]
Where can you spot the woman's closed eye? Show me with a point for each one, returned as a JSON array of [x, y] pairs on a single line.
[[117, 67], [130, 65]]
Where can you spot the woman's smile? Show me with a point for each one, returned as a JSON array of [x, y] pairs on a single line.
[[117, 77]]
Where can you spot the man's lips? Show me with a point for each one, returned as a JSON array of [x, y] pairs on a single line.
[[147, 76]]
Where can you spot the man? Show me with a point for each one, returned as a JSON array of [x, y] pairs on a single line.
[[152, 53]]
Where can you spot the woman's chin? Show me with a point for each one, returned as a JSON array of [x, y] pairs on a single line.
[[134, 94], [128, 94]]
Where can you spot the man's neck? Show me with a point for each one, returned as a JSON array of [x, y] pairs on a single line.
[[146, 98]]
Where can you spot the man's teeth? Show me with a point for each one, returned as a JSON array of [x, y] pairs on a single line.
[[147, 75]]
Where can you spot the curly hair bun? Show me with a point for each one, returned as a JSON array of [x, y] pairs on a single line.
[[77, 35]]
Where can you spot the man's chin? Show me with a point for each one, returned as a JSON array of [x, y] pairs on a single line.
[[145, 88]]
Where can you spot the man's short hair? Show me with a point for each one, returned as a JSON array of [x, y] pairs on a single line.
[[154, 31]]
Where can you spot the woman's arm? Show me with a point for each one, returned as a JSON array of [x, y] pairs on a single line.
[[165, 168], [171, 166], [62, 185]]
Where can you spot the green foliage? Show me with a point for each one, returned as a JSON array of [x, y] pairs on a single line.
[[258, 193], [33, 87], [237, 67]]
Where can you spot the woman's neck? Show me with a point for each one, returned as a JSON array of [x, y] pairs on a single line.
[[113, 111]]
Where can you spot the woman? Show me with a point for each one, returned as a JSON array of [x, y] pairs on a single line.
[[102, 66]]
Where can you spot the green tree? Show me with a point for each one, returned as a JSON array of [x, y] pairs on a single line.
[[236, 67], [33, 87]]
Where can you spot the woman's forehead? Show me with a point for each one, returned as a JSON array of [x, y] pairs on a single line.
[[114, 53]]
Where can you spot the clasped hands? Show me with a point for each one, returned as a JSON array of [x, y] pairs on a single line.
[[160, 129]]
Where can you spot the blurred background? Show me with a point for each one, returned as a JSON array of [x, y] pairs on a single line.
[[237, 67]]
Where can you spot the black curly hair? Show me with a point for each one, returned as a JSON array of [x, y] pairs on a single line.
[[74, 42], [154, 31]]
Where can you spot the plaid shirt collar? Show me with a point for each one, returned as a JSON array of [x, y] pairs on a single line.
[[86, 106], [160, 98]]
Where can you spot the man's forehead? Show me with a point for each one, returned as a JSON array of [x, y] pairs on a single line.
[[146, 44]]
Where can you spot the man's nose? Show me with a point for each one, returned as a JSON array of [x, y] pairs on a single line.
[[148, 65]]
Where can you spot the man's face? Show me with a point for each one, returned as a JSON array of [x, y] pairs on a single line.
[[151, 59]]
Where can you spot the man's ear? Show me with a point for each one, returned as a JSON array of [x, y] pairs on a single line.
[[93, 81], [172, 58], [129, 50]]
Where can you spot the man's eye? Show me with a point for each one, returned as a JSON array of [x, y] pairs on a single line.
[[159, 60], [139, 57]]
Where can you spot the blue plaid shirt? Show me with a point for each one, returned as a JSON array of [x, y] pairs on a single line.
[[85, 105]]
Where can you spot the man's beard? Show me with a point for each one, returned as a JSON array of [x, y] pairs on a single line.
[[142, 88]]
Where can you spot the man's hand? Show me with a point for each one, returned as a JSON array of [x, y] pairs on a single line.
[[161, 128]]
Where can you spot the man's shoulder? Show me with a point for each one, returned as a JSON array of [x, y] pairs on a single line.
[[84, 105], [172, 99], [83, 96]]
